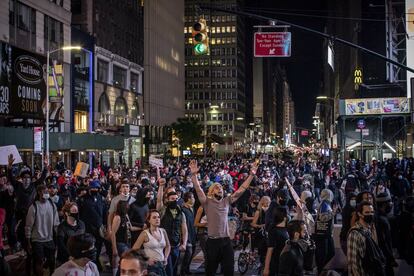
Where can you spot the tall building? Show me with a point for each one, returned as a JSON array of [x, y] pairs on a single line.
[[350, 73], [115, 25], [28, 31], [164, 70], [289, 124], [114, 104], [216, 83]]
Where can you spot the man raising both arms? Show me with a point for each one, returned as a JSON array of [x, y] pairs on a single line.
[[216, 205]]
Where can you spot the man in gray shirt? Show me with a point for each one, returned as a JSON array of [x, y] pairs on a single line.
[[41, 221], [216, 205]]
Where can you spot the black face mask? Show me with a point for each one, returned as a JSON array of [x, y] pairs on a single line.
[[218, 197], [74, 215], [369, 219], [172, 204], [90, 254], [282, 202]]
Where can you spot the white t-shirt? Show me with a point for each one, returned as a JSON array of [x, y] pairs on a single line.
[[70, 268]]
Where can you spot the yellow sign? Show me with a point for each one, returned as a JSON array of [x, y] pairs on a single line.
[[358, 76]]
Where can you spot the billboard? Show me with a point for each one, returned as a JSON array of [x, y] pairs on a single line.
[[22, 83], [376, 106], [272, 44]]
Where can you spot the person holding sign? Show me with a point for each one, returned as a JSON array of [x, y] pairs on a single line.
[[216, 206]]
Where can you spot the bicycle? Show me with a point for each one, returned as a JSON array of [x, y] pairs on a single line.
[[248, 258]]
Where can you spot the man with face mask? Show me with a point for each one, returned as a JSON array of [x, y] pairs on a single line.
[[216, 206], [383, 228], [138, 211], [361, 245], [82, 251], [292, 258], [282, 198], [25, 192], [92, 211], [174, 222], [42, 221]]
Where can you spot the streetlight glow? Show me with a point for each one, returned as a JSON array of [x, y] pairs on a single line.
[[68, 48], [214, 106], [322, 97]]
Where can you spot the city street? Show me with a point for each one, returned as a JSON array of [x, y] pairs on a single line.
[[143, 128]]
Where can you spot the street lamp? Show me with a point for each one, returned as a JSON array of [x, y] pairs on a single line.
[[64, 48]]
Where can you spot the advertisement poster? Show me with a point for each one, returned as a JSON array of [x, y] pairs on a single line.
[[22, 83], [373, 106]]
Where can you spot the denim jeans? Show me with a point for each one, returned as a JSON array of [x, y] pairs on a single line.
[[173, 259]]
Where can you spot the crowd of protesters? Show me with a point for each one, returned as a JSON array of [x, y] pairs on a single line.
[[153, 221]]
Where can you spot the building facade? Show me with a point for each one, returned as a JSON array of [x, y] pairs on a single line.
[[164, 71], [28, 31], [217, 79]]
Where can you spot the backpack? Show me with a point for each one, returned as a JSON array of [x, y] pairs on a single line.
[[373, 261], [351, 184]]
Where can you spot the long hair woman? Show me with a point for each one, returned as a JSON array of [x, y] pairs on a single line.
[[156, 244], [258, 225], [120, 234]]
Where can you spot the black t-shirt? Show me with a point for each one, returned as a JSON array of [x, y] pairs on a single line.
[[277, 237]]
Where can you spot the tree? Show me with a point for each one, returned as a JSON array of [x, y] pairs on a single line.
[[188, 130]]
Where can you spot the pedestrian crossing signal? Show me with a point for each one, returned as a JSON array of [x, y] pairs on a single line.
[[200, 38]]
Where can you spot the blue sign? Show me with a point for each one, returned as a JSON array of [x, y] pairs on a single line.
[[361, 124]]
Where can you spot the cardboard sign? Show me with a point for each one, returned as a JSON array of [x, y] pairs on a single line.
[[6, 151], [81, 169], [156, 162]]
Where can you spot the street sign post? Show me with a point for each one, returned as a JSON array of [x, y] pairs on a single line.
[[361, 125], [272, 44]]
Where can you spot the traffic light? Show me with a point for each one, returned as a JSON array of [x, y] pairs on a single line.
[[200, 38]]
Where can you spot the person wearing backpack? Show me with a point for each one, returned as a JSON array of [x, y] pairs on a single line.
[[42, 221], [363, 253]]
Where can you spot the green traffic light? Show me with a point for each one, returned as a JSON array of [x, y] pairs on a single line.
[[200, 49]]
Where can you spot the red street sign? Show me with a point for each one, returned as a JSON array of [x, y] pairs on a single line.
[[304, 133], [275, 44]]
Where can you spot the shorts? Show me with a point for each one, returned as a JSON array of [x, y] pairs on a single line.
[[43, 250]]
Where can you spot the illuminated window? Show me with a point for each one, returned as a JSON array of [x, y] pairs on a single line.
[[185, 30], [190, 29], [228, 29], [213, 30], [213, 41], [223, 29], [120, 111], [190, 40], [233, 29], [81, 122], [218, 30], [218, 40]]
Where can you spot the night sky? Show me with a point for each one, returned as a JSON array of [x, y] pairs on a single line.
[[304, 67]]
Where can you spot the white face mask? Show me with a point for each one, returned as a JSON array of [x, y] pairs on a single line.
[[352, 202], [265, 208], [46, 196], [55, 198]]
